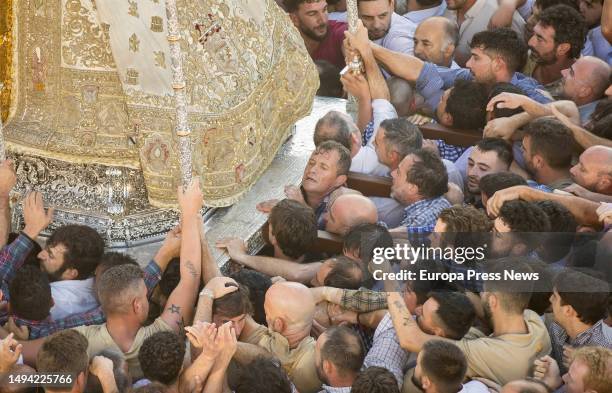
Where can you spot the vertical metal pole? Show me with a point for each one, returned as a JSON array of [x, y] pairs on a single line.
[[2, 145], [355, 65], [182, 128]]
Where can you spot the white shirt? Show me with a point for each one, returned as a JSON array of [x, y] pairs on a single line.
[[366, 160], [420, 15], [526, 9], [477, 20], [72, 297], [474, 387]]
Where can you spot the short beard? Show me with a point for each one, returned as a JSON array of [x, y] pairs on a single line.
[[372, 38], [311, 34], [535, 56], [56, 275]]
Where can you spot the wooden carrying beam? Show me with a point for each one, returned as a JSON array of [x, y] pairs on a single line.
[[369, 185], [463, 138]]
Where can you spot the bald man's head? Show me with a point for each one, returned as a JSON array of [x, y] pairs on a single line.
[[594, 170], [289, 308], [347, 211], [403, 96], [586, 80], [435, 39]]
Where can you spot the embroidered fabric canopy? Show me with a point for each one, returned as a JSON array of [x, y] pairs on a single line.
[[93, 84]]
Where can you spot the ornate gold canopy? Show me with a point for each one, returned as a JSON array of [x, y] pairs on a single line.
[[6, 56], [90, 87]]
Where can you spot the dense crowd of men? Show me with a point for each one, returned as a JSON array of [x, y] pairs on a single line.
[[533, 196]]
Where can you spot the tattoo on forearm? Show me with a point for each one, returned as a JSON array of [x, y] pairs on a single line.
[[174, 309], [192, 270], [399, 305], [401, 308]]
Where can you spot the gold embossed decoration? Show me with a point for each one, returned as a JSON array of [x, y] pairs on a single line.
[[95, 87], [157, 24], [6, 56]]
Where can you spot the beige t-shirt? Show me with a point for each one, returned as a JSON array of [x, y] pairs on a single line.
[[299, 362], [99, 339], [507, 357]]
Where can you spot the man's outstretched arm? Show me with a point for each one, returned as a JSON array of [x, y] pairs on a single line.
[[290, 271], [399, 64], [180, 306]]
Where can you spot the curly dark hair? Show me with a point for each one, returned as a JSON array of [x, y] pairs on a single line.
[[505, 87], [429, 174], [466, 226], [161, 357], [467, 104], [523, 216], [84, 248], [505, 43], [569, 25], [30, 294], [294, 226], [465, 219], [525, 219]]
